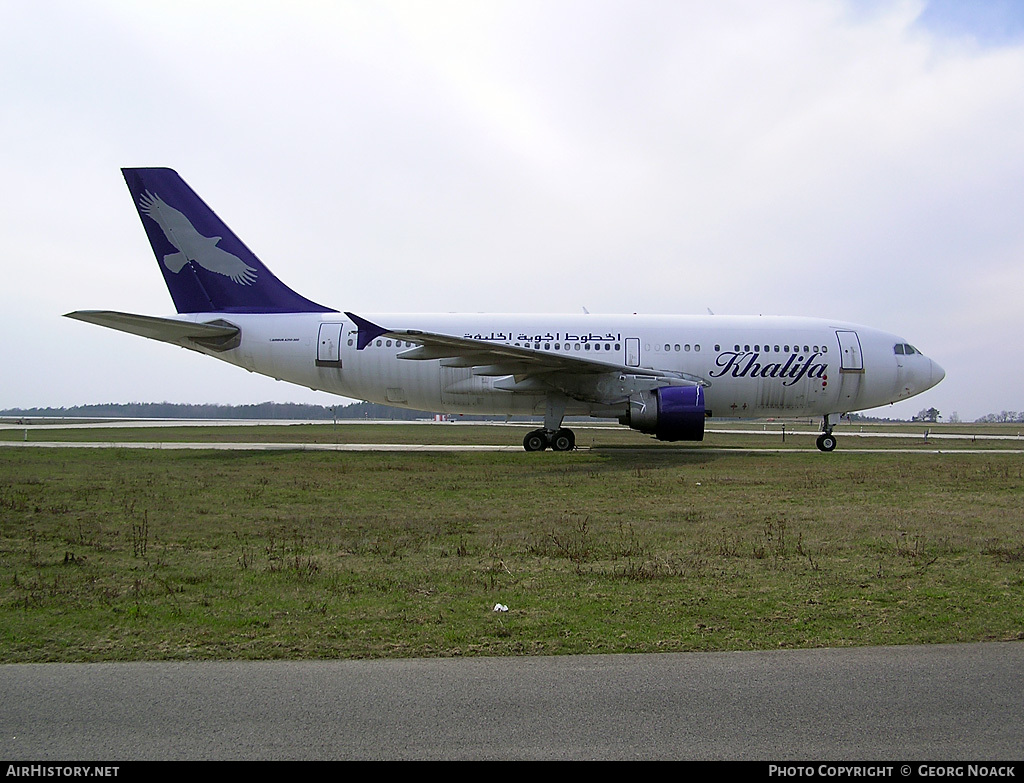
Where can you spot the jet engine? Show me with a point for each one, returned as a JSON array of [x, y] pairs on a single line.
[[668, 412]]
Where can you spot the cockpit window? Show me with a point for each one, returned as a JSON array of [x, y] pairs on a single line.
[[899, 349], [902, 349]]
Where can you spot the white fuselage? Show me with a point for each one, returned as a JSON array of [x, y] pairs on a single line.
[[754, 366]]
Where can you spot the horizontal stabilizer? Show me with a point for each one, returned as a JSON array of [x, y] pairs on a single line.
[[218, 335]]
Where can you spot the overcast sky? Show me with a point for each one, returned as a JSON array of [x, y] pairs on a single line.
[[862, 161]]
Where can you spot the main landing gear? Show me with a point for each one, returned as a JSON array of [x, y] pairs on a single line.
[[552, 434], [559, 440]]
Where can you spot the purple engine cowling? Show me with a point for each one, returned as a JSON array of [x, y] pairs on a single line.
[[669, 413]]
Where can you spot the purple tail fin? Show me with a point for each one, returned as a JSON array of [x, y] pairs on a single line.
[[206, 267]]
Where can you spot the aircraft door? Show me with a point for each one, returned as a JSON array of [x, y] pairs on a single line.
[[632, 351], [328, 345], [851, 369], [851, 358]]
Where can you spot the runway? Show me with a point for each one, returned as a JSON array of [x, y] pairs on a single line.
[[928, 442], [900, 704], [437, 447], [210, 445]]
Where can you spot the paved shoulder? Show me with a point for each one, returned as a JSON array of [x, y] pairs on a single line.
[[899, 703]]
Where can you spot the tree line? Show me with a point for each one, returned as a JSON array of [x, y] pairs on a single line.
[[262, 410]]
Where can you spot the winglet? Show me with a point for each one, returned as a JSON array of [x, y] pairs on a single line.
[[368, 331]]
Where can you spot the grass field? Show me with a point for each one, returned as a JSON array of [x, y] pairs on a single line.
[[122, 554]]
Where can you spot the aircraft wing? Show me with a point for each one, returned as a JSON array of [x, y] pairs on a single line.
[[499, 359], [218, 335]]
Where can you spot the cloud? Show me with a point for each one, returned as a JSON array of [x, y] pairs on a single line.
[[849, 160]]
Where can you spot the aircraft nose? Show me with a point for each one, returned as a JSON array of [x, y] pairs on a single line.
[[937, 373]]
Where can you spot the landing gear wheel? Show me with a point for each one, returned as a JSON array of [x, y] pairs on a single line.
[[535, 441], [563, 440], [826, 442]]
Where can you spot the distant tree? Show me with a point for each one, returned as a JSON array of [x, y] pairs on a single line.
[[931, 414], [1002, 417]]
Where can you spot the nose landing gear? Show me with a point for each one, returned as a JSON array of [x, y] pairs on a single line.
[[827, 441]]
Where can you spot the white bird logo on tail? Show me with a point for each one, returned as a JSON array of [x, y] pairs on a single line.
[[192, 245]]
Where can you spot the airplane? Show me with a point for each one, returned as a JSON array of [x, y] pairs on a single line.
[[662, 375]]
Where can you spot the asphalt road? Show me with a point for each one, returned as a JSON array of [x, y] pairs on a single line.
[[942, 702]]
